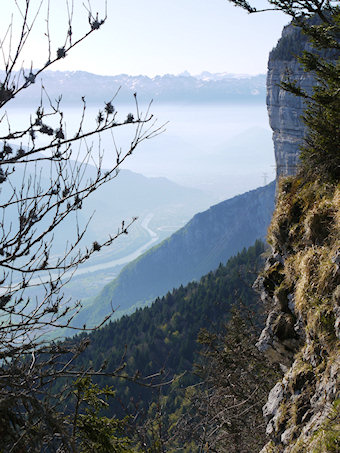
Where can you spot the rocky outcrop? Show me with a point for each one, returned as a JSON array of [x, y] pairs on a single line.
[[301, 280], [301, 285], [285, 109]]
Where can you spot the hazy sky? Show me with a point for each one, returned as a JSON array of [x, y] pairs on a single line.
[[157, 36]]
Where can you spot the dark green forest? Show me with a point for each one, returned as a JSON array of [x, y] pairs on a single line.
[[163, 337]]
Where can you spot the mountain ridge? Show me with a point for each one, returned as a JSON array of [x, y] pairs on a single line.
[[166, 88], [208, 239]]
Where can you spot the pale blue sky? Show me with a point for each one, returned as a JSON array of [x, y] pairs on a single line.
[[160, 36]]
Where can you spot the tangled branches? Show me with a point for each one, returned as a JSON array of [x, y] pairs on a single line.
[[43, 183]]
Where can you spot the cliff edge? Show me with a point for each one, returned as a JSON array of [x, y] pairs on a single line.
[[284, 108], [301, 285], [301, 281]]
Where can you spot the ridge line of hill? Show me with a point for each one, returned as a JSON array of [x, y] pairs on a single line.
[[209, 238]]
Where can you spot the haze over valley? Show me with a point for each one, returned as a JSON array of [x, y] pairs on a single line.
[[216, 143], [170, 226], [217, 136]]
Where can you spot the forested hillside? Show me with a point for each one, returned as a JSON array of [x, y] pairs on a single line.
[[209, 238], [164, 336]]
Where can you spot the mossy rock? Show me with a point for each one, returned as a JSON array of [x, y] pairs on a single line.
[[302, 380], [281, 296], [283, 327], [272, 278], [319, 225]]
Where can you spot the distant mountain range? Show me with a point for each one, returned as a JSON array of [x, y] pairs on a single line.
[[211, 237], [205, 87]]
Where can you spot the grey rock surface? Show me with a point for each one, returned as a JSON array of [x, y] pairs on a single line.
[[271, 408], [303, 401], [285, 109]]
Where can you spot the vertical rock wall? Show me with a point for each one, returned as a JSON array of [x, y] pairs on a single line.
[[301, 280], [285, 109]]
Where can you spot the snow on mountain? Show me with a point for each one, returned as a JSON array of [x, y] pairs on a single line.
[[205, 87]]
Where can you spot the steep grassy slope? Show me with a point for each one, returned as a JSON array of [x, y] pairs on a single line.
[[302, 285], [210, 238]]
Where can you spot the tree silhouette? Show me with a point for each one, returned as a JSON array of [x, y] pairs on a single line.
[[44, 180]]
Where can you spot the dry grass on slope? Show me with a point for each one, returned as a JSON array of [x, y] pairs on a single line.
[[305, 235]]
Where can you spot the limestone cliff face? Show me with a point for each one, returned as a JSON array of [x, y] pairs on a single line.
[[301, 280], [285, 109]]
